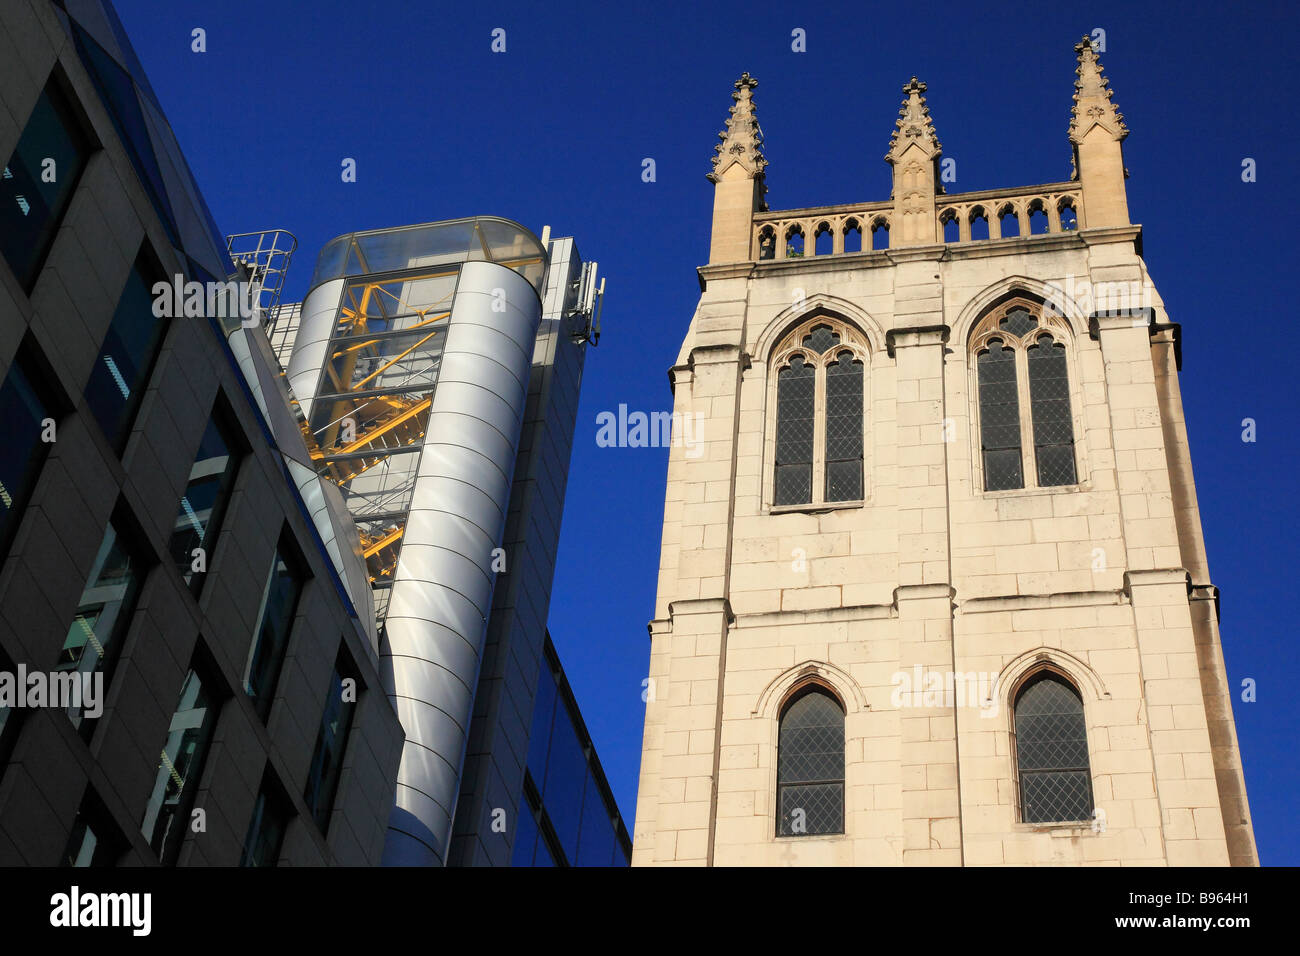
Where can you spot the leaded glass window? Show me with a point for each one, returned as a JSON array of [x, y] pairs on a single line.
[[844, 429], [1049, 391], [820, 414], [1052, 752], [1018, 322], [810, 765], [1022, 372], [796, 419], [822, 338], [999, 418]]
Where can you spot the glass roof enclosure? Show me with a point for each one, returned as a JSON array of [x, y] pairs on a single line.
[[481, 238], [376, 388]]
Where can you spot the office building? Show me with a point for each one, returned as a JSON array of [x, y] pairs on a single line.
[[438, 368], [163, 532], [568, 816]]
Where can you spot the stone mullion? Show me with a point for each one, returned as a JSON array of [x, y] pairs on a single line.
[[1053, 214], [818, 492], [1028, 454]]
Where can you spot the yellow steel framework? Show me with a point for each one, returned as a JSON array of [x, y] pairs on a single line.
[[380, 424]]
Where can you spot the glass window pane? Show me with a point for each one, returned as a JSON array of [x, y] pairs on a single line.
[[526, 836], [23, 451], [1052, 752], [93, 840], [37, 184], [597, 843], [126, 358], [999, 418], [271, 637], [844, 429], [82, 844], [566, 777], [821, 339], [543, 856], [1049, 397], [795, 411], [539, 738], [620, 857], [198, 521], [1018, 322], [265, 830], [810, 766], [180, 767], [103, 613], [331, 742]]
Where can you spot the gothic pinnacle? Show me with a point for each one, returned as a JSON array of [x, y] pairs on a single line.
[[914, 124], [1092, 105], [742, 140]]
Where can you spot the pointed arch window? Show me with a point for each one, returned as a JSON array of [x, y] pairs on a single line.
[[1051, 742], [1026, 426], [820, 421], [795, 424], [810, 765]]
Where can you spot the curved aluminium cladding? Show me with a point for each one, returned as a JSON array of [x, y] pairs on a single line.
[[316, 322], [442, 589]]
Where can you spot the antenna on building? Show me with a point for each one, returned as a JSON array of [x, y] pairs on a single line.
[[591, 299], [546, 238]]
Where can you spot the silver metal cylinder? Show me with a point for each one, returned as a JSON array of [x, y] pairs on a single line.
[[442, 588]]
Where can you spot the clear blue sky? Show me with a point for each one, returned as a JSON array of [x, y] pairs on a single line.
[[554, 132]]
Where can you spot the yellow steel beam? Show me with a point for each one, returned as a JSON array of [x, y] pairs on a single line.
[[396, 358], [383, 541], [384, 428]]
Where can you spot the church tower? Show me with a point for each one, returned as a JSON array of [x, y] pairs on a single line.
[[933, 588]]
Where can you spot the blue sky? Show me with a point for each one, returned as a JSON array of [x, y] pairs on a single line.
[[554, 131]]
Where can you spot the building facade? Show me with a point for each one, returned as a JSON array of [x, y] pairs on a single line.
[[164, 534], [935, 592], [437, 367], [568, 815]]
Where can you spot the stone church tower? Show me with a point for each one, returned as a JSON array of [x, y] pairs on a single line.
[[933, 587]]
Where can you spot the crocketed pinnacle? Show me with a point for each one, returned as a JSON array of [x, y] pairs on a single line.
[[1092, 105], [914, 125], [742, 140]]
